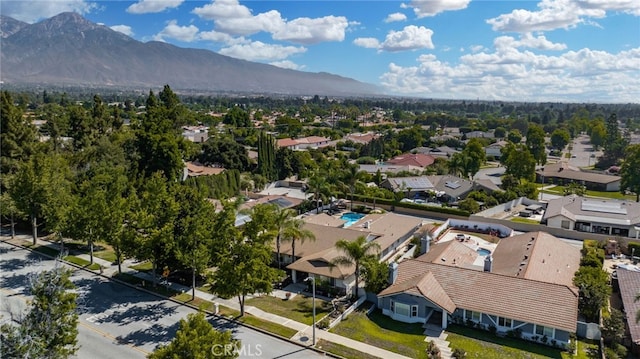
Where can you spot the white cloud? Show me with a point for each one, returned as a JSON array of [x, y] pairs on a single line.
[[527, 40], [368, 42], [305, 30], [232, 18], [396, 16], [175, 31], [153, 6], [424, 8], [512, 74], [259, 51], [410, 38], [32, 11], [125, 29], [286, 64], [223, 9], [560, 14]]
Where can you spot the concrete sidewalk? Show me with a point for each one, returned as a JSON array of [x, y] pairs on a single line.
[[304, 331]]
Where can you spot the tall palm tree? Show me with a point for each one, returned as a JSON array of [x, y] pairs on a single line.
[[354, 254], [285, 223], [350, 177], [294, 231], [318, 184]]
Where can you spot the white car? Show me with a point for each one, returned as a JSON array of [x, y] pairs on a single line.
[[461, 237]]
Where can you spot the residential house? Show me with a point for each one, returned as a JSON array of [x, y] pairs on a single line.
[[361, 138], [410, 186], [609, 217], [390, 230], [450, 188], [563, 173], [304, 142], [196, 169], [384, 168], [412, 159], [197, 134], [479, 134], [629, 283], [495, 149], [525, 285]]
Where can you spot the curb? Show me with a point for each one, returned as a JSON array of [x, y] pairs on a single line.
[[320, 351]]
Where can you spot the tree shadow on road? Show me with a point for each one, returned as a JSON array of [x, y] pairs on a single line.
[[155, 334]]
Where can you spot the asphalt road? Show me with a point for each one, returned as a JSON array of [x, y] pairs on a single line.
[[117, 321], [582, 152]]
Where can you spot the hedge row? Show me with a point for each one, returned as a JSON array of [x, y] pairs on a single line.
[[422, 207]]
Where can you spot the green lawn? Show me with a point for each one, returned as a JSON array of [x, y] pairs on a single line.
[[524, 220], [298, 308], [383, 332], [82, 262], [107, 255], [46, 250], [600, 194], [482, 344], [342, 351], [143, 267]]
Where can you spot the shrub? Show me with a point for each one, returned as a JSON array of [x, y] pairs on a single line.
[[459, 353], [633, 247], [609, 353], [433, 352], [493, 329], [324, 323]]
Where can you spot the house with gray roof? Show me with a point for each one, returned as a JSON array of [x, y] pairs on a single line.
[[525, 285], [563, 173], [629, 283], [591, 215]]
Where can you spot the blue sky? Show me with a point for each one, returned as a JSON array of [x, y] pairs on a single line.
[[547, 50]]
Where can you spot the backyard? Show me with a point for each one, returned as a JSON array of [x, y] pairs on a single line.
[[559, 190]]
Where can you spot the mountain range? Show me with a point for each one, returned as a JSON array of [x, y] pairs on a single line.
[[67, 49]]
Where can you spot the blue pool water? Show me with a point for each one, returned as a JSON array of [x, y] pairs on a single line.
[[483, 252], [351, 218]]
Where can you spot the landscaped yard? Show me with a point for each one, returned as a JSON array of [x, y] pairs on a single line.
[[408, 339], [298, 308], [482, 344], [589, 193], [383, 332], [342, 351]]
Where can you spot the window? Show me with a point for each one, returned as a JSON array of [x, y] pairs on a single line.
[[542, 330], [414, 310], [565, 224], [475, 316], [505, 322], [393, 308], [402, 309]]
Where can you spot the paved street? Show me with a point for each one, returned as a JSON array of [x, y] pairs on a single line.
[[117, 321], [582, 152]]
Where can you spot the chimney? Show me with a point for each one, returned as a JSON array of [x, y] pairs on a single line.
[[393, 272], [488, 263], [425, 244], [367, 224]]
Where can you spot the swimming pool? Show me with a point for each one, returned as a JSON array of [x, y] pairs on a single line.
[[483, 252], [351, 218]]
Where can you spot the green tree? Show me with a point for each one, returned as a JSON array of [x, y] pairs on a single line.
[[575, 188], [468, 162], [226, 152], [350, 177], [375, 275], [152, 223], [17, 136], [49, 329], [594, 291], [237, 117], [355, 254], [560, 138], [630, 171], [613, 327], [243, 263], [518, 161], [295, 231], [193, 231], [9, 209], [469, 205], [615, 143], [34, 190], [266, 156], [318, 185], [197, 339], [536, 143], [284, 222], [514, 136], [597, 134]]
